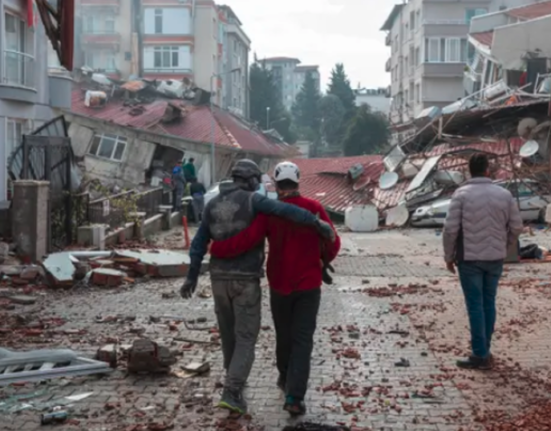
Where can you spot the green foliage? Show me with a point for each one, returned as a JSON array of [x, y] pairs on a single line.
[[367, 133], [339, 85], [332, 113], [263, 94], [305, 110]]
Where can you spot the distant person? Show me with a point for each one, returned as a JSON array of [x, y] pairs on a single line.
[[197, 191], [178, 187], [483, 223], [189, 169]]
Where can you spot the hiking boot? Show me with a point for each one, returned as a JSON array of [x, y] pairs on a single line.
[[232, 400], [475, 363], [281, 384], [294, 406]]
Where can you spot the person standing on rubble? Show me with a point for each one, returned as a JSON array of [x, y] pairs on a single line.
[[178, 187], [483, 223], [295, 278], [189, 170], [236, 282], [197, 191]]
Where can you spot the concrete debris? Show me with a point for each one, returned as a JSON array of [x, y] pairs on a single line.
[[107, 277], [108, 354], [197, 367], [4, 252], [22, 299], [146, 356]]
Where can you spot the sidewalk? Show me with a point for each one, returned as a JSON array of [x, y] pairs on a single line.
[[388, 336]]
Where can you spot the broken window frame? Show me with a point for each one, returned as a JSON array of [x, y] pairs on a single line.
[[118, 142]]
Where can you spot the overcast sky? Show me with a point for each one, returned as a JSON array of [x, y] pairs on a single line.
[[322, 32]]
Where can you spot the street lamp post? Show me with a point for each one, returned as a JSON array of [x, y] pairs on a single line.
[[212, 122], [268, 118]]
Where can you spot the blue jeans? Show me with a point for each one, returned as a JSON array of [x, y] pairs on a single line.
[[479, 281]]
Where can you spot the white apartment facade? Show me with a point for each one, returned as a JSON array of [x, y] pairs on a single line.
[[289, 77], [429, 47], [166, 39], [28, 92], [378, 99]]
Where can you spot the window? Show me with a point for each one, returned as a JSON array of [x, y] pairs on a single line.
[[471, 13], [214, 29], [165, 57], [417, 93], [100, 59], [417, 56], [14, 135], [158, 21], [453, 50], [432, 50], [18, 52], [108, 146], [110, 25]]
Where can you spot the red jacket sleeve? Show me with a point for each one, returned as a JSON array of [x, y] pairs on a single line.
[[243, 241], [331, 249]]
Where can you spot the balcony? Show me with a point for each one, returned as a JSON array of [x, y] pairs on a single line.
[[388, 39], [167, 71], [19, 78], [101, 38], [443, 70], [388, 65]]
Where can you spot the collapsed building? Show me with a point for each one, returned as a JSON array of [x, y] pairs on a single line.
[[127, 132]]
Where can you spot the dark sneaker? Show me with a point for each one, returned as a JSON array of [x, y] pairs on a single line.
[[281, 384], [233, 401], [294, 406], [475, 363]]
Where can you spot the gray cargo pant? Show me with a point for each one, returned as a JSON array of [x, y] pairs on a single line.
[[238, 309]]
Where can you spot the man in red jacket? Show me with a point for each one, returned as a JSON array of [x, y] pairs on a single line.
[[295, 261]]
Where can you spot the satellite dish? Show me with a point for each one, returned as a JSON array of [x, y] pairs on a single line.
[[388, 180], [529, 149], [525, 127], [397, 216]]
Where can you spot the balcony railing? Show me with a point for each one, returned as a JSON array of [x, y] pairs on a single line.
[[388, 65], [167, 70], [19, 69], [99, 38], [445, 22]]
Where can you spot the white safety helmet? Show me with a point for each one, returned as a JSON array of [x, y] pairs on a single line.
[[287, 171]]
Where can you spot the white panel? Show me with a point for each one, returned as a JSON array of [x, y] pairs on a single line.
[[148, 58], [176, 21], [185, 57], [149, 21]]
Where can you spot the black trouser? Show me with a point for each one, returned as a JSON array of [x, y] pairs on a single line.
[[295, 318]]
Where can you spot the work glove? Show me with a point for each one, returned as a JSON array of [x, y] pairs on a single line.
[[325, 230], [188, 288]]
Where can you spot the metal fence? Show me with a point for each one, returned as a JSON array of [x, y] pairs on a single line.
[[116, 210]]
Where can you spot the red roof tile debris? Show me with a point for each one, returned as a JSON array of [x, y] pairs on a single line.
[[198, 124], [531, 11], [485, 38]]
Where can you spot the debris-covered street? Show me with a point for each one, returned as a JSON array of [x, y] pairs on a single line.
[[389, 333]]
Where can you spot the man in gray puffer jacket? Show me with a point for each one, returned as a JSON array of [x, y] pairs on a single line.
[[483, 223]]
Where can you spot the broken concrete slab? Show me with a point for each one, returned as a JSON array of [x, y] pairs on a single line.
[[22, 299], [30, 273], [11, 270], [60, 267], [146, 356], [107, 277], [158, 263]]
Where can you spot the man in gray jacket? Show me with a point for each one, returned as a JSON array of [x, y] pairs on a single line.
[[236, 282], [483, 223]]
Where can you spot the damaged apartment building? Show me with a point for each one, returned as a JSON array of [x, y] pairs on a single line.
[[129, 133]]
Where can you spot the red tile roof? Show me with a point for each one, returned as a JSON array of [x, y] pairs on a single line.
[[485, 38], [196, 126], [531, 11]]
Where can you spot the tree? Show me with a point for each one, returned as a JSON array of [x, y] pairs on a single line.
[[367, 133], [331, 114], [305, 110], [339, 85], [263, 94]]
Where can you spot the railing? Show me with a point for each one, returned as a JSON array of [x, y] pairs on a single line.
[[117, 209], [167, 70], [445, 22], [19, 69]]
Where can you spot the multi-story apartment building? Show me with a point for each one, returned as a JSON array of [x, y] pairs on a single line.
[[27, 90], [289, 76], [166, 39], [429, 50], [236, 46]]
